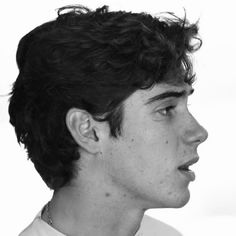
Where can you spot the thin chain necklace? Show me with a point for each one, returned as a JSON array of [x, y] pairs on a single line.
[[48, 213]]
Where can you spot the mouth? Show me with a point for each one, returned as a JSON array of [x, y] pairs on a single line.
[[184, 169]]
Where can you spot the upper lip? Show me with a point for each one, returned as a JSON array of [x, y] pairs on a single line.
[[189, 163]]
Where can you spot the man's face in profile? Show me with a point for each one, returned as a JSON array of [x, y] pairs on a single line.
[[159, 135]]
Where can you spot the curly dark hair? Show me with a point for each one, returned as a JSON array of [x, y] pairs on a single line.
[[92, 60]]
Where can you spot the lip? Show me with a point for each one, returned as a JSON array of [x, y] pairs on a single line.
[[190, 162], [183, 169]]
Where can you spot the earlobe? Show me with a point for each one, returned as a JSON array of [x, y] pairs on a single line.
[[80, 125]]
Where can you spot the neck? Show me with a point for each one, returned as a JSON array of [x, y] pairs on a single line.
[[79, 211]]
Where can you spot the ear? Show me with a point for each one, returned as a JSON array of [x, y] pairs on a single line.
[[83, 129]]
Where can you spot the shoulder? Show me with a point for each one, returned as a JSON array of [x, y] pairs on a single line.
[[40, 228], [33, 229], [153, 227]]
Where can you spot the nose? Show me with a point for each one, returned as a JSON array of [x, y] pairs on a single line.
[[194, 132]]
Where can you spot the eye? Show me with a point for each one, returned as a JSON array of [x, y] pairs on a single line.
[[167, 111]]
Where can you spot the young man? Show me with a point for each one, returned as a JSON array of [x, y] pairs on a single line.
[[100, 103]]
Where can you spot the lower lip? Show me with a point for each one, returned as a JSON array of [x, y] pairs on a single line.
[[189, 174]]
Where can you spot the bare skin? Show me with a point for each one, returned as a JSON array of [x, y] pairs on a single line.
[[121, 178], [90, 212]]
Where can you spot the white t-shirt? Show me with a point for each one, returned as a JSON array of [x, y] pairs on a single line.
[[149, 227]]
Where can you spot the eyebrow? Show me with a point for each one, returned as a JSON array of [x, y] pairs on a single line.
[[169, 94]]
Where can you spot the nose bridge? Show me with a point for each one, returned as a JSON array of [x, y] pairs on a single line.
[[194, 132]]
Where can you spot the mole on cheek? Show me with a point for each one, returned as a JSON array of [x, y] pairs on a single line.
[[107, 194], [167, 141]]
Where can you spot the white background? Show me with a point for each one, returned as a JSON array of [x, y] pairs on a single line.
[[212, 207]]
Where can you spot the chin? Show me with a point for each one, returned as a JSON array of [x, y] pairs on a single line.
[[181, 201], [174, 200], [177, 201]]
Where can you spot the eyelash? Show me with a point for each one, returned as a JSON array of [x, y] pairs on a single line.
[[168, 110]]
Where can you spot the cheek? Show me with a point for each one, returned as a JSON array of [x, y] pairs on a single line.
[[149, 144], [149, 157], [129, 164], [156, 161], [142, 168], [146, 151]]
